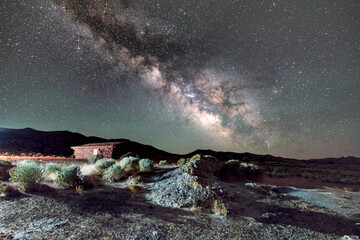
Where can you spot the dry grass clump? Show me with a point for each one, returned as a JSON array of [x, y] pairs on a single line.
[[219, 207], [134, 185], [89, 170]]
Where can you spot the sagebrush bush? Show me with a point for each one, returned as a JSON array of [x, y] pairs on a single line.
[[52, 168], [130, 164], [68, 176], [89, 169], [51, 171], [146, 165], [94, 158], [102, 164], [27, 174], [114, 173], [162, 162]]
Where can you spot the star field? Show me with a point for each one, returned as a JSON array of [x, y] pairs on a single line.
[[269, 77]]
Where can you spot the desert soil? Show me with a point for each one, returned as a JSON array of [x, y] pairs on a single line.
[[112, 211]]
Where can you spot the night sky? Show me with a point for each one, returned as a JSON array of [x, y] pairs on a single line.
[[268, 77]]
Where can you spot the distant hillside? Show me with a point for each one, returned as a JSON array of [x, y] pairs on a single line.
[[17, 141], [28, 140], [224, 156]]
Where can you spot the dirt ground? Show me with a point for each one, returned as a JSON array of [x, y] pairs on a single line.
[[255, 211]]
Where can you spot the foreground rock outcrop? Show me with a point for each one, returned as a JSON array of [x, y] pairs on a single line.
[[191, 184]]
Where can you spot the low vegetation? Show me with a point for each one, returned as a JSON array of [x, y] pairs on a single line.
[[27, 175], [51, 171], [162, 163], [94, 158], [313, 172], [102, 164], [68, 176], [130, 164], [218, 207], [146, 165], [114, 173]]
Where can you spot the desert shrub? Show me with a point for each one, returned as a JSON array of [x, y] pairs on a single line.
[[51, 171], [114, 173], [89, 169], [162, 162], [27, 174], [94, 158], [135, 187], [146, 165], [130, 164], [52, 168], [68, 176], [102, 164]]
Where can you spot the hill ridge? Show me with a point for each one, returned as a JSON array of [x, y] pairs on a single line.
[[29, 140]]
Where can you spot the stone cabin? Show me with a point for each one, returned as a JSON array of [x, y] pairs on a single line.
[[108, 150]]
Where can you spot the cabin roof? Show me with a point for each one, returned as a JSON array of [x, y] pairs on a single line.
[[97, 144]]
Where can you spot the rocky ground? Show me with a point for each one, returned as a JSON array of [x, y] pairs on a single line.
[[178, 203]]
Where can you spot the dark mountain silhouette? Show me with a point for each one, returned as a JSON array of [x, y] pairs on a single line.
[[59, 143], [47, 143]]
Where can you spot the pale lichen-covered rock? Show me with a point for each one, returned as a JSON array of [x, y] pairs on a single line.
[[190, 184]]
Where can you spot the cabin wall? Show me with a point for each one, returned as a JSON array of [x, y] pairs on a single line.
[[84, 152]]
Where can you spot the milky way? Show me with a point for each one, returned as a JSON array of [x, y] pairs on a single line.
[[262, 76]]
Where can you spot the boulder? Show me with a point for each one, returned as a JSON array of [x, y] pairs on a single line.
[[239, 171], [4, 170], [204, 166]]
